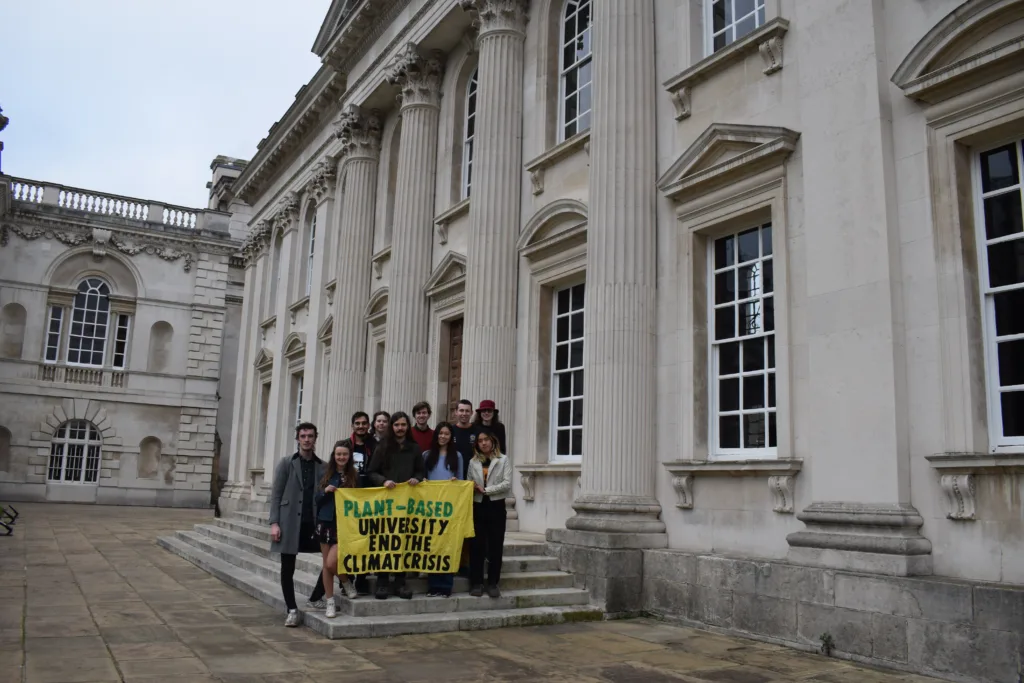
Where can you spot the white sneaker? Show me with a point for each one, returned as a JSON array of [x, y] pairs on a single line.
[[319, 604], [293, 618], [332, 610], [350, 590]]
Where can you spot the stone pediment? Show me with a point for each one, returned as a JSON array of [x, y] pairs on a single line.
[[376, 309], [449, 275], [723, 154], [325, 329], [977, 43], [263, 359], [560, 224], [294, 344]]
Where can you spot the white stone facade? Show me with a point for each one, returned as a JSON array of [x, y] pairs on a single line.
[[801, 185], [117, 316]]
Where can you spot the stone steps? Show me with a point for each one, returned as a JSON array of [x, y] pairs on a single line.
[[349, 626], [311, 563]]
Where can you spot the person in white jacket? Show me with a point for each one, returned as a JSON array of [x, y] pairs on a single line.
[[491, 474]]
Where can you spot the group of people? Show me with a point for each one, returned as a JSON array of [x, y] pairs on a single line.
[[391, 450]]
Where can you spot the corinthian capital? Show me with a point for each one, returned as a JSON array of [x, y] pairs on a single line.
[[256, 242], [321, 184], [287, 212], [498, 15], [359, 133], [418, 77]]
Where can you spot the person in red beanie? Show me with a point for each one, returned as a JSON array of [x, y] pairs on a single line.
[[487, 416]]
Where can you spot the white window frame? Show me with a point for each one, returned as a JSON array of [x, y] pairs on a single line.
[[468, 134], [299, 379], [106, 329], [91, 455], [997, 442], [311, 255], [760, 17], [564, 70], [57, 314], [124, 321], [715, 452], [556, 397]]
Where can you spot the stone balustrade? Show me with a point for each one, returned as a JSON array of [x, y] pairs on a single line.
[[88, 201], [71, 374]]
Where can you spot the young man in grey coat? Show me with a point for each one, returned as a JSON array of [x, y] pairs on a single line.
[[292, 517]]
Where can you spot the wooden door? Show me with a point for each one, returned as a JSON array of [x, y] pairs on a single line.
[[454, 366]]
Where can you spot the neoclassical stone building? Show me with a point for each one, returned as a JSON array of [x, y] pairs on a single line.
[[116, 315], [745, 278]]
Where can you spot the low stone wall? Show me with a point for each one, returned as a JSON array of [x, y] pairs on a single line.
[[959, 630]]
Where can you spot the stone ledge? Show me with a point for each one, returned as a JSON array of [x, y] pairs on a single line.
[[529, 471], [956, 477], [538, 165], [780, 474], [442, 220], [379, 259]]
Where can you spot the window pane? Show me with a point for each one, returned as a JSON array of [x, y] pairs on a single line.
[[723, 252], [725, 326], [725, 287], [1012, 403], [577, 383], [569, 26], [1009, 312], [750, 318], [745, 26], [564, 385], [744, 7], [570, 87], [771, 351], [1003, 215], [729, 394], [583, 16], [1011, 363], [562, 329], [729, 358], [719, 42], [768, 276], [584, 122], [753, 431], [577, 412], [577, 297], [749, 281], [584, 77], [563, 301], [564, 413], [576, 354], [753, 355], [769, 314], [773, 436], [753, 392], [577, 442], [1006, 263], [766, 240], [999, 168], [570, 107], [748, 245], [771, 390], [577, 325], [729, 431], [562, 357], [562, 447], [585, 98], [720, 14]]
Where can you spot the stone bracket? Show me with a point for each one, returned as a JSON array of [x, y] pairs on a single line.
[[780, 473], [538, 165], [957, 473], [528, 473], [379, 259], [959, 490], [442, 221]]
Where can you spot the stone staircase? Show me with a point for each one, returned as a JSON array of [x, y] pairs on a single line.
[[236, 549]]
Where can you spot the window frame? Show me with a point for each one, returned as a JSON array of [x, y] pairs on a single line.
[[468, 138], [311, 253], [54, 308], [715, 451], [997, 442], [87, 443], [106, 326], [577, 66], [123, 352], [553, 378], [298, 379], [760, 19]]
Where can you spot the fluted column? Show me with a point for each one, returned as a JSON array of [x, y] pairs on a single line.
[[418, 78], [360, 135], [619, 330], [489, 336]]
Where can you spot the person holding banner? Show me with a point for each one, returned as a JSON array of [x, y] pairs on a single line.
[[339, 473], [396, 459], [491, 474], [443, 463]]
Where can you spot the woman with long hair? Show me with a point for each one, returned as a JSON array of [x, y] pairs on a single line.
[[491, 474], [443, 463], [339, 473], [487, 418]]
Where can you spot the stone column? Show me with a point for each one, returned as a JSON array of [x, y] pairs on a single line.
[[418, 78], [616, 511], [357, 190], [489, 336]]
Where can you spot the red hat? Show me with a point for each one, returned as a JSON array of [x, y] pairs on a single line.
[[486, 405]]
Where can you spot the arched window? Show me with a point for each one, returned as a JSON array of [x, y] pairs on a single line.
[[75, 453], [574, 62], [311, 251], [467, 138], [89, 316]]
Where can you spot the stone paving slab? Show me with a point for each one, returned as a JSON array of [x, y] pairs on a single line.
[[86, 596]]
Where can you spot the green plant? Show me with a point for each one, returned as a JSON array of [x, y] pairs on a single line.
[[828, 643]]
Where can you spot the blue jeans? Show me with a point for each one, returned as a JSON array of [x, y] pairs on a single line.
[[440, 583]]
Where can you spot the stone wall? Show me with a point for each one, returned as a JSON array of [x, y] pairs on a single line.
[[959, 630]]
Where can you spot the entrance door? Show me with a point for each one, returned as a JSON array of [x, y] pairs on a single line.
[[454, 366]]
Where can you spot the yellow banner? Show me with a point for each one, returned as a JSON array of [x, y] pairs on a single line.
[[404, 529]]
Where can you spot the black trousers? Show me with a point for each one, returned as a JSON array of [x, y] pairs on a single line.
[[489, 519], [307, 544]]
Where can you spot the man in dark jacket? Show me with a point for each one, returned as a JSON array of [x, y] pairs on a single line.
[[397, 459], [362, 444]]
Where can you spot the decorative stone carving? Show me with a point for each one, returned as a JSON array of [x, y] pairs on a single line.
[[537, 180], [498, 15], [959, 490], [100, 237], [528, 486], [683, 484], [681, 101], [781, 487], [321, 185], [771, 53], [417, 77], [256, 242], [359, 133], [69, 238], [287, 212]]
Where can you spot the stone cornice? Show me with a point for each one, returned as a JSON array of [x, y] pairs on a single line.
[[498, 16], [417, 77], [341, 44], [359, 133]]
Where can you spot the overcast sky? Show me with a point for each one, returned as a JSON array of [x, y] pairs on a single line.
[[136, 97]]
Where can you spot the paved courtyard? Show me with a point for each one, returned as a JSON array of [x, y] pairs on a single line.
[[86, 595]]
